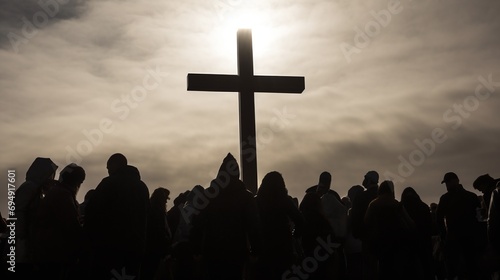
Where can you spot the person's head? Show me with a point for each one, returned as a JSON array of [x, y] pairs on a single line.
[[325, 180], [370, 179], [354, 191], [272, 187], [159, 198], [483, 183], [409, 195], [72, 176], [181, 198], [346, 201], [41, 171], [433, 207], [115, 162], [451, 180], [229, 172], [386, 188]]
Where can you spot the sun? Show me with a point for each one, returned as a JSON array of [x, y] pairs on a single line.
[[258, 20]]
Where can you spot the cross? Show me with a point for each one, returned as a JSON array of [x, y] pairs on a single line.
[[246, 84]]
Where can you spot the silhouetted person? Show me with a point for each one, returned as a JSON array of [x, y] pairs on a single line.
[[174, 214], [158, 235], [4, 249], [439, 268], [28, 197], [325, 180], [494, 225], [184, 266], [421, 238], [316, 227], [229, 223], [485, 184], [388, 225], [336, 213], [357, 213], [456, 216], [59, 233], [116, 219], [352, 246], [3, 224], [83, 205], [276, 209]]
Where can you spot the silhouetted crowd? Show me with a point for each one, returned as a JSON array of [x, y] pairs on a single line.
[[224, 231]]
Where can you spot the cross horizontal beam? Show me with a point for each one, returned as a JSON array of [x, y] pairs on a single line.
[[226, 83]]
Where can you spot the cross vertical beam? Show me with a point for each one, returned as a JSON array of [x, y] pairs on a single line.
[[248, 142]]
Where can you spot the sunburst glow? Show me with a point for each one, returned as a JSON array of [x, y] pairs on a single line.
[[258, 20]]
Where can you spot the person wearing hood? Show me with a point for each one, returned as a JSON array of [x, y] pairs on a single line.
[[59, 233], [226, 231], [28, 196], [459, 228], [116, 221]]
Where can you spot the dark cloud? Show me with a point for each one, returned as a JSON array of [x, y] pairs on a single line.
[[20, 19]]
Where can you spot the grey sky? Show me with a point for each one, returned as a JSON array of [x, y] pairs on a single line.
[[418, 72]]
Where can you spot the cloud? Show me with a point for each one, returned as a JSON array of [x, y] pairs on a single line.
[[82, 68], [22, 20]]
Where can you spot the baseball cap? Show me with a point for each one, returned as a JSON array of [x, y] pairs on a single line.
[[449, 176]]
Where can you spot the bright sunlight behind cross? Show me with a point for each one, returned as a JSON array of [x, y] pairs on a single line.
[[258, 20]]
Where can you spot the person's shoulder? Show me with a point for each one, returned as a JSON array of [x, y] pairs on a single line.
[[444, 197], [472, 196], [312, 189], [26, 186]]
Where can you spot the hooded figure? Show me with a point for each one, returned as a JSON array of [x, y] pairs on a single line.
[[226, 225], [59, 231], [27, 200]]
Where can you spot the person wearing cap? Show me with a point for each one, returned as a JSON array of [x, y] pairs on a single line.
[[485, 184], [459, 228], [59, 233]]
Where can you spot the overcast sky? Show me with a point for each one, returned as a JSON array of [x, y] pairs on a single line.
[[407, 88]]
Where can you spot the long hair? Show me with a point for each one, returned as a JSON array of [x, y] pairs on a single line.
[[272, 190], [159, 199]]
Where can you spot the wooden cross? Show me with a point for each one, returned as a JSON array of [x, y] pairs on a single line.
[[246, 84]]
